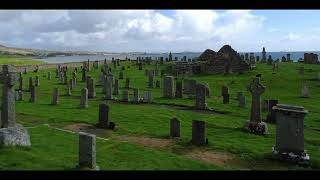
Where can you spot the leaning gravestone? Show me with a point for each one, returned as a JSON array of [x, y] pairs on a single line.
[[87, 151], [84, 98], [168, 87], [201, 97], [103, 121], [255, 125], [198, 132], [289, 134], [174, 127], [11, 133], [55, 96]]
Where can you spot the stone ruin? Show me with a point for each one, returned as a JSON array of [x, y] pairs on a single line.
[[11, 133], [226, 60]]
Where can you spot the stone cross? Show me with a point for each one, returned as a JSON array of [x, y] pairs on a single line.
[[8, 113], [256, 89], [174, 127], [103, 121], [201, 97], [84, 98], [198, 132], [87, 151], [55, 96]]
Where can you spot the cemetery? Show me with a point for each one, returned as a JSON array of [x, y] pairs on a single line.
[[143, 115]]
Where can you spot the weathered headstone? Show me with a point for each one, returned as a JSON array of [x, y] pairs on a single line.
[[49, 75], [255, 125], [33, 95], [147, 97], [84, 98], [174, 127], [198, 132], [125, 95], [290, 134], [87, 151], [178, 89], [91, 88], [103, 121], [127, 85], [271, 117], [55, 96], [136, 98], [108, 90], [168, 87], [11, 133], [201, 97]]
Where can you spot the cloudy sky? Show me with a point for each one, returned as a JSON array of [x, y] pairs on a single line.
[[161, 30]]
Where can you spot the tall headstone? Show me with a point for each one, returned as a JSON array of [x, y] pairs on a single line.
[[264, 55], [87, 151], [84, 98], [11, 133], [168, 87], [55, 96], [91, 88], [290, 134], [174, 127], [201, 97], [103, 121], [198, 132], [178, 89], [255, 125]]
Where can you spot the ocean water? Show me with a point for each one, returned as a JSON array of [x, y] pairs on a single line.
[[62, 59]]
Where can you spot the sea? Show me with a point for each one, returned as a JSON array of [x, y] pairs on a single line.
[[295, 56]]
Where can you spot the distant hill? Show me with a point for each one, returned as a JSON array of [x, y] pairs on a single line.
[[41, 53]]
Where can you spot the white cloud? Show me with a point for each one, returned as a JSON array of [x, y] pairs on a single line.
[[293, 37]]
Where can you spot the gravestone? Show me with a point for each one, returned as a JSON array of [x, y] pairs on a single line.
[[157, 84], [125, 95], [55, 96], [120, 75], [30, 83], [84, 98], [147, 97], [178, 89], [271, 117], [290, 134], [87, 151], [84, 75], [21, 83], [74, 81], [33, 95], [68, 90], [91, 88], [103, 121], [49, 75], [136, 95], [201, 97], [242, 101], [198, 132], [127, 85], [255, 125], [168, 87], [305, 91], [108, 90], [116, 87], [174, 127], [20, 95], [11, 133], [151, 80]]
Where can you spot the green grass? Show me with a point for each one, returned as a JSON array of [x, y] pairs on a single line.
[[18, 61], [224, 131]]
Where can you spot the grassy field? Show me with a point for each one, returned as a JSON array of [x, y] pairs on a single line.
[[141, 139], [18, 61]]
